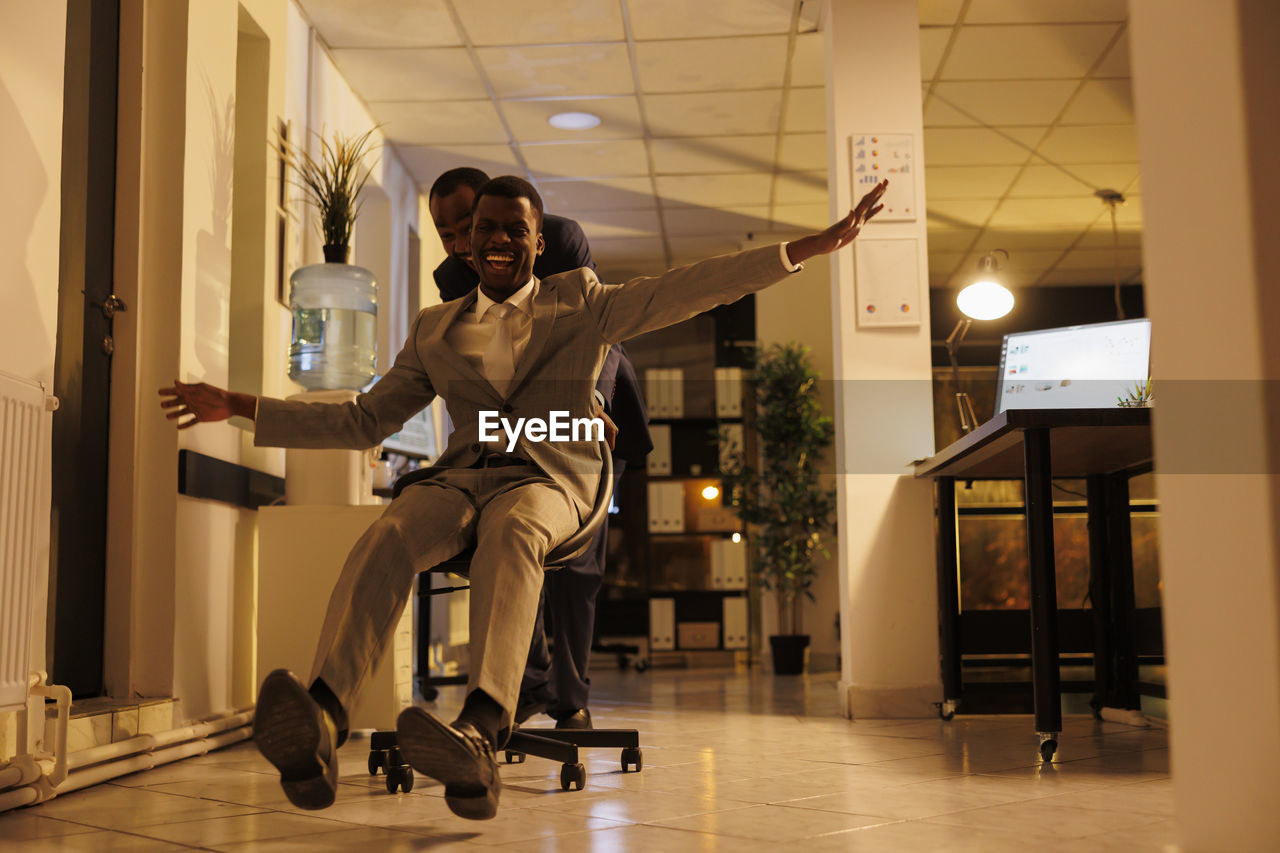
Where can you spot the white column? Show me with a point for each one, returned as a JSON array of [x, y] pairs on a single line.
[[888, 603], [1205, 81]]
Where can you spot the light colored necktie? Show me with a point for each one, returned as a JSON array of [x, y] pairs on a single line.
[[499, 355]]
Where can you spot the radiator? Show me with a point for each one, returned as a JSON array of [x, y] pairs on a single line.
[[24, 515]]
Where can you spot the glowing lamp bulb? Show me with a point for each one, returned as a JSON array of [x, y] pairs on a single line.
[[737, 537], [711, 493], [985, 300]]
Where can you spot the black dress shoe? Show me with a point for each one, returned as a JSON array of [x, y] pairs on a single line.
[[579, 719], [458, 756], [298, 738]]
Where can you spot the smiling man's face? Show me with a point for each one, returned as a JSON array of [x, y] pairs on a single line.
[[505, 241]]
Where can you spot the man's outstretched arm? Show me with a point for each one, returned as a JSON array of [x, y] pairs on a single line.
[[645, 304], [204, 403]]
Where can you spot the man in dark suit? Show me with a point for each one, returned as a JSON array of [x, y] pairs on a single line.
[[556, 682]]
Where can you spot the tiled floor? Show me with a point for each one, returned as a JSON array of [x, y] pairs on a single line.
[[731, 762]]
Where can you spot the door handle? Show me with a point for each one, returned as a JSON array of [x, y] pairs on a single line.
[[111, 305]]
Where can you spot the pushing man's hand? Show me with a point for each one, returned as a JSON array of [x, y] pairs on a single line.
[[842, 233], [204, 403], [610, 428]]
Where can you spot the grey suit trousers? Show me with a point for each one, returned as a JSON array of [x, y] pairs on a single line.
[[515, 515]]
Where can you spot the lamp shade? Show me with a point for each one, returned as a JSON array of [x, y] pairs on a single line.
[[985, 300]]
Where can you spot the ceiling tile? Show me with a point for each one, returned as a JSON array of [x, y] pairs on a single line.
[[1116, 63], [808, 63], [1008, 102], [1056, 213], [537, 71], [939, 12], [716, 190], [1101, 102], [933, 41], [406, 74], [959, 213], [571, 197], [1013, 53], [700, 221], [1111, 143], [1044, 11], [1027, 239], [615, 158], [490, 22], [428, 163], [612, 224], [943, 264], [665, 19], [944, 182], [377, 23], [620, 119], [714, 114], [1097, 259], [965, 146], [801, 217], [1086, 277], [803, 152], [709, 155], [801, 188], [807, 110], [938, 113], [439, 122], [1100, 237], [703, 65], [951, 239], [1048, 182]]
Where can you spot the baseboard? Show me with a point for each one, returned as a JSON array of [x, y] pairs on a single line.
[[862, 702]]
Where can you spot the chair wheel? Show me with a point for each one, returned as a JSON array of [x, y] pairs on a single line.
[[1048, 748], [377, 761], [631, 755], [400, 777], [571, 774], [515, 757]]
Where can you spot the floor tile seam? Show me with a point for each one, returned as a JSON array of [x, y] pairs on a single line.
[[1092, 808], [1001, 802], [1061, 810], [133, 833], [788, 840]]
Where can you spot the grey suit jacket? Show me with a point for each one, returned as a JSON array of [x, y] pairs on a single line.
[[575, 320]]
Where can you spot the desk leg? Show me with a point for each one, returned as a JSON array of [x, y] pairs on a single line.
[[1100, 595], [948, 596], [1120, 556], [1044, 593]]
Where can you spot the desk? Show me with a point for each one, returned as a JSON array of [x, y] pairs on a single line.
[[1105, 447]]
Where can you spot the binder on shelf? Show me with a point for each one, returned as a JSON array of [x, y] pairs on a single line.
[[666, 507], [734, 560], [735, 622], [658, 462], [717, 564], [662, 624], [653, 393], [729, 392], [655, 507], [675, 392], [732, 438]]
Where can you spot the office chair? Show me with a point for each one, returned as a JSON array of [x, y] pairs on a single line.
[[554, 744]]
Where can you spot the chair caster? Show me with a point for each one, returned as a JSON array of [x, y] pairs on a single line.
[[399, 774], [377, 760], [632, 756], [571, 775], [515, 757], [946, 710], [1048, 746]]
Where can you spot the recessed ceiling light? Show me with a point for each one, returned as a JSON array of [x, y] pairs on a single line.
[[574, 121]]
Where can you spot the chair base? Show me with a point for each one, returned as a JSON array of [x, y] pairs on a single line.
[[553, 744]]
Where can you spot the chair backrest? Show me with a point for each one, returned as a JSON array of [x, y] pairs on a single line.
[[460, 563]]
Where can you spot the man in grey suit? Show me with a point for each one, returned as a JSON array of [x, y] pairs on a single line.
[[518, 347]]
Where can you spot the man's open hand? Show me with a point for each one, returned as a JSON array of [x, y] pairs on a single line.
[[204, 403], [610, 428], [842, 233]]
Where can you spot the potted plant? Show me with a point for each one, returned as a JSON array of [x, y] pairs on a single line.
[[781, 499], [334, 304]]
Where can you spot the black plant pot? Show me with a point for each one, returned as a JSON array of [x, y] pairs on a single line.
[[788, 653], [335, 253]]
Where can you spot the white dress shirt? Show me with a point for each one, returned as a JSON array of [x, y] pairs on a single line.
[[471, 331]]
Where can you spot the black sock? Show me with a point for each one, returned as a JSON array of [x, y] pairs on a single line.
[[482, 711], [328, 701]]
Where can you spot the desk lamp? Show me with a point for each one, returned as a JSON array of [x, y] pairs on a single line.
[[985, 299]]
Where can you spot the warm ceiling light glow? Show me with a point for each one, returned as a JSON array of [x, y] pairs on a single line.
[[574, 121], [985, 300], [711, 493], [737, 537]]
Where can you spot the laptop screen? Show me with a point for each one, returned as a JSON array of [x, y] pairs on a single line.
[[1074, 367]]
